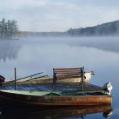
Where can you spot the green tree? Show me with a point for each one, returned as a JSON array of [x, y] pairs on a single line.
[[8, 29]]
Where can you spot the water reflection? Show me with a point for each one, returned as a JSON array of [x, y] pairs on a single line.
[[103, 43], [9, 49], [105, 111]]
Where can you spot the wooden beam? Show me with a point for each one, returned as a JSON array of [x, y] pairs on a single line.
[[15, 78]]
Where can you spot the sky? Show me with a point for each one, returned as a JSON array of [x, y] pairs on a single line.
[[58, 15]]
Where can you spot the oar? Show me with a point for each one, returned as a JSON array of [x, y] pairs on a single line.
[[23, 77], [29, 76], [37, 77]]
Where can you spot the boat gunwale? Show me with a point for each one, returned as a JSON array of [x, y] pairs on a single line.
[[57, 94]]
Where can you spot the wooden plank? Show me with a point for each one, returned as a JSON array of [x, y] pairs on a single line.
[[15, 79], [67, 68], [62, 73], [67, 72], [58, 75], [60, 78]]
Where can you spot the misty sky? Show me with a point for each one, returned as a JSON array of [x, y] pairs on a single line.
[[58, 15]]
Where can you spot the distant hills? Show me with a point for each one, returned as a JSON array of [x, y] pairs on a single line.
[[105, 29], [110, 28]]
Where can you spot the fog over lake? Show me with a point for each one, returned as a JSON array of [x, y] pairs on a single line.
[[41, 54], [30, 55]]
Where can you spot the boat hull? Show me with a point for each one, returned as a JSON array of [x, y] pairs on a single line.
[[55, 101]]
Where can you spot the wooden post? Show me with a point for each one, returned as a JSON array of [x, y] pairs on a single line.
[[15, 78], [54, 79], [82, 78]]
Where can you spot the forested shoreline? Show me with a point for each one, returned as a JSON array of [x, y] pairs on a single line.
[[8, 29]]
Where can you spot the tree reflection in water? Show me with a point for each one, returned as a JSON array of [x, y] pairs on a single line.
[[9, 49]]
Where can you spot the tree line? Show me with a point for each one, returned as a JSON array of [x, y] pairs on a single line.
[[8, 29]]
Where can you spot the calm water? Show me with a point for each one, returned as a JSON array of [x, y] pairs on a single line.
[[33, 55]]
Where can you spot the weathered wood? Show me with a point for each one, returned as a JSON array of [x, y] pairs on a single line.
[[15, 78], [67, 76], [59, 69], [2, 80], [30, 76], [72, 72], [63, 73], [47, 100]]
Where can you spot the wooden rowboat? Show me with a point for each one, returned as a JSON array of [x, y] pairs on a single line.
[[86, 94], [53, 99]]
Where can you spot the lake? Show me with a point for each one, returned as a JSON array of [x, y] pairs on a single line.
[[41, 54]]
